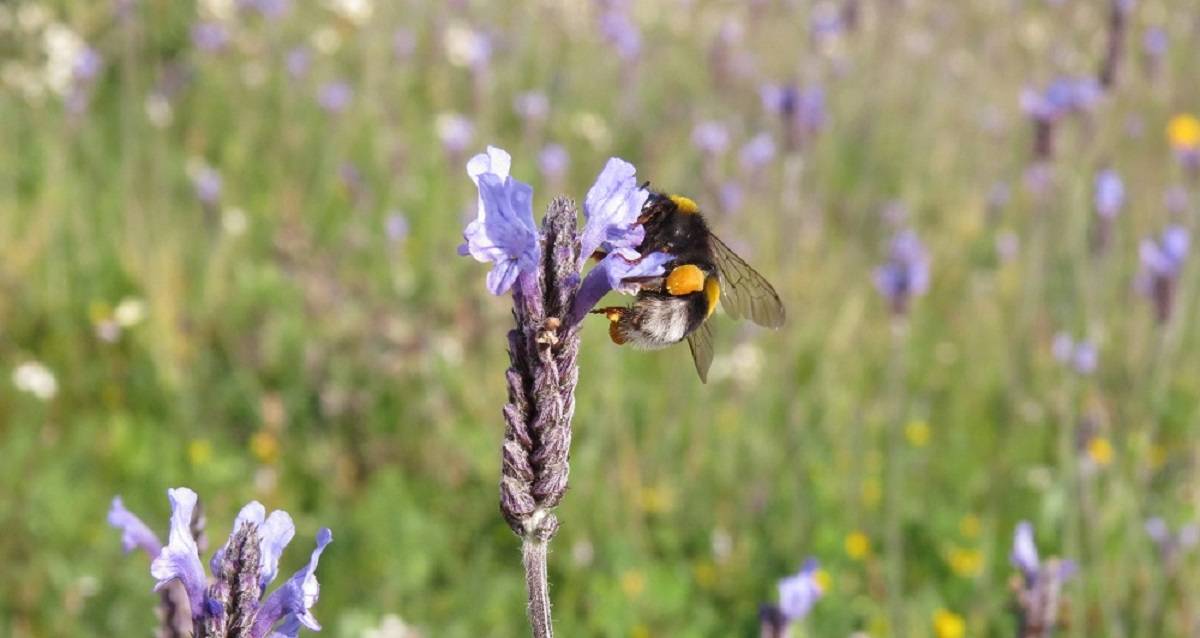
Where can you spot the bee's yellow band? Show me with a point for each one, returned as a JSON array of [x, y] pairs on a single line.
[[685, 279], [684, 205], [712, 293]]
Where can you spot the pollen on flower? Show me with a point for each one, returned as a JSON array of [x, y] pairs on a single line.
[[858, 545]]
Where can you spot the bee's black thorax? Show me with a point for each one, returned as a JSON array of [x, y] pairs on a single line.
[[683, 235]]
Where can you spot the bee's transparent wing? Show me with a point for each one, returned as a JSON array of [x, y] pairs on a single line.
[[744, 292], [700, 342]]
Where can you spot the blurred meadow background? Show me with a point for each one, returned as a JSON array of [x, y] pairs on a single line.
[[227, 261]]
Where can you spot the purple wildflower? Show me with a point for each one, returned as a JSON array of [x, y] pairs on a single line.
[[297, 61], [553, 161], [503, 231], [1039, 589], [797, 596], [906, 272], [731, 197], [1110, 193], [711, 137], [618, 30], [532, 106], [455, 133], [396, 226], [757, 153], [269, 9], [1162, 264], [1081, 355], [211, 37], [798, 593], [1172, 546], [802, 111], [134, 533], [1024, 554], [206, 181], [242, 569], [335, 96]]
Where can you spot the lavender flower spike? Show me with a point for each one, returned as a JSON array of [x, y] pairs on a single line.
[[906, 272], [180, 559], [503, 232], [134, 533]]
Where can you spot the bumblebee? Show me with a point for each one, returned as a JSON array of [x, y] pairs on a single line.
[[704, 271]]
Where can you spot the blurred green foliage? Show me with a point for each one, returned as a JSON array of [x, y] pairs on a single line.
[[294, 353]]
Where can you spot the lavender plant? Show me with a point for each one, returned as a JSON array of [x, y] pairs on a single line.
[[542, 268], [231, 604], [1038, 585], [1162, 265], [797, 596]]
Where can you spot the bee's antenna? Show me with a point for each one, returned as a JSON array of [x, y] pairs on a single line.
[[645, 185]]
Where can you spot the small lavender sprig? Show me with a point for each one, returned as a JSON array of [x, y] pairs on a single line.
[[1037, 587], [1118, 24], [232, 604], [797, 596]]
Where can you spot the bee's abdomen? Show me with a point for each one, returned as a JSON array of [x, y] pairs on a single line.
[[658, 320]]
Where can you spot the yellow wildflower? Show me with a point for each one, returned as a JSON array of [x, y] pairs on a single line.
[[917, 433], [1183, 132], [656, 499], [947, 624], [705, 574], [264, 446], [199, 451], [1100, 450], [965, 562], [858, 545], [633, 583]]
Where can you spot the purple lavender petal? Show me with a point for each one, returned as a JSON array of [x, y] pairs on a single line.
[[134, 533], [180, 559], [1024, 553], [611, 208], [275, 533], [798, 593], [503, 231], [1110, 193], [609, 275], [291, 604]]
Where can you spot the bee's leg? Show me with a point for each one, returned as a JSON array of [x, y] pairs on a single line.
[[599, 254], [685, 279], [614, 314]]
